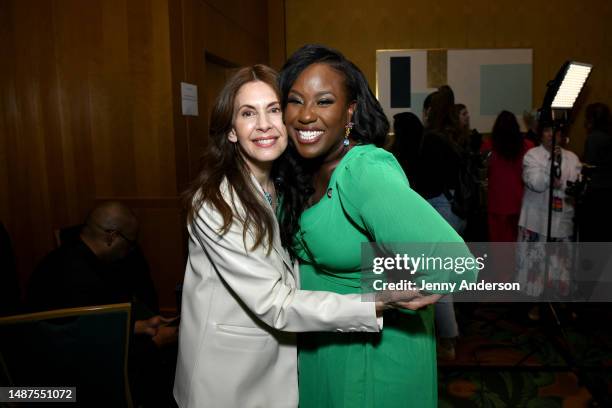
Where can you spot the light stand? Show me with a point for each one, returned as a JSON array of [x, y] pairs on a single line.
[[558, 103], [559, 100]]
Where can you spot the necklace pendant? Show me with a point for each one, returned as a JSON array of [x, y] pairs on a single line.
[[268, 197]]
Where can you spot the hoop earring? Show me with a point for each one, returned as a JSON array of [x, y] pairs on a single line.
[[347, 132]]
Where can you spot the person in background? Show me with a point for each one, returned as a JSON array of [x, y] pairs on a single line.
[[440, 156], [416, 172], [473, 161], [595, 220], [104, 265], [408, 132], [427, 108], [507, 148], [463, 116], [533, 219], [437, 178], [472, 139], [530, 119]]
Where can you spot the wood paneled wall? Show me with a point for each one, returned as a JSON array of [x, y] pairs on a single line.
[[90, 110], [557, 31], [86, 113], [229, 33]]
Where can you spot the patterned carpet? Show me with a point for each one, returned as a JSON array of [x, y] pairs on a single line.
[[506, 360]]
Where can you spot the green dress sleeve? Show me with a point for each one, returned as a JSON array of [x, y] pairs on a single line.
[[376, 196]]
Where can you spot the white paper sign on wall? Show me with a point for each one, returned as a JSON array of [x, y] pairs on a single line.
[[189, 99]]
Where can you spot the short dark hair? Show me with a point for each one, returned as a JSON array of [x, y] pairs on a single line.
[[370, 123]]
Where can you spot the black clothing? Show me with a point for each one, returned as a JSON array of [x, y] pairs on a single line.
[[407, 155], [438, 165], [594, 221], [9, 286], [73, 276], [598, 152]]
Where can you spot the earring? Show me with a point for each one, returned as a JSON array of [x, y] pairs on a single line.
[[347, 132]]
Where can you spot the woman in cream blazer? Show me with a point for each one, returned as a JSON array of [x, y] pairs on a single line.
[[241, 305]]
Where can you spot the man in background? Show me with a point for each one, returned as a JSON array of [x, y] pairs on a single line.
[[101, 263]]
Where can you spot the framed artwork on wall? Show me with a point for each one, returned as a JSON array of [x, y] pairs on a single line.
[[487, 81]]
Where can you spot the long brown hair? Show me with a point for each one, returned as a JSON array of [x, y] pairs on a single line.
[[506, 136], [442, 113], [222, 160]]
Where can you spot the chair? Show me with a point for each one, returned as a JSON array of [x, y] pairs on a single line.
[[9, 286], [85, 347]]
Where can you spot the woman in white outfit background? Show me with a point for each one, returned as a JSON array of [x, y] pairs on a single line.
[[533, 221]]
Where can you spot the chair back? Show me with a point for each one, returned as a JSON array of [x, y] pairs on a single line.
[[9, 283], [85, 347]]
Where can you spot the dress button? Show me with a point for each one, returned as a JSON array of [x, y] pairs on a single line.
[[329, 192]]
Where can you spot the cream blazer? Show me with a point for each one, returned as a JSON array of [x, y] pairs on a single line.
[[237, 343]]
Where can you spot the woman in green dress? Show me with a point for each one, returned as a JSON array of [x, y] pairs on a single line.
[[344, 190]]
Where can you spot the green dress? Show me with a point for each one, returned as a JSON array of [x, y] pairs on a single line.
[[368, 199]]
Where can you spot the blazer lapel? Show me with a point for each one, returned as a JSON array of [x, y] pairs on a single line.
[[276, 241], [280, 250]]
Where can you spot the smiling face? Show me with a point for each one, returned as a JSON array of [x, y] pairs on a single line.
[[317, 111], [258, 126]]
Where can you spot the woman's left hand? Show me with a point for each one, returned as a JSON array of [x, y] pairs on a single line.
[[417, 303]]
